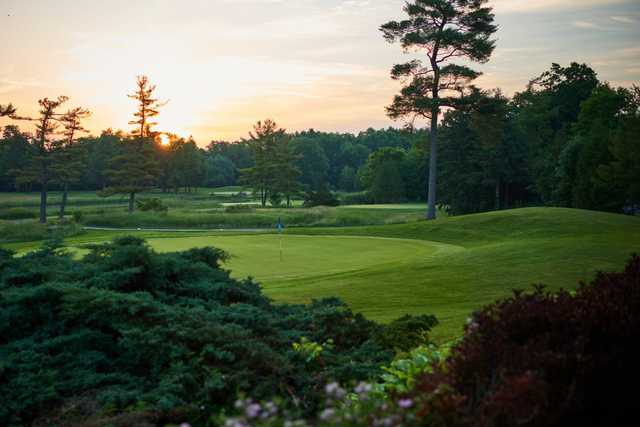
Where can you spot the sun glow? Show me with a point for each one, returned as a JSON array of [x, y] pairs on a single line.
[[164, 140]]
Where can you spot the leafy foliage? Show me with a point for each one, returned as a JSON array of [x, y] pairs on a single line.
[[154, 204], [408, 332], [321, 197], [166, 334]]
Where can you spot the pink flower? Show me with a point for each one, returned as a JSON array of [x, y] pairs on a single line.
[[405, 403]]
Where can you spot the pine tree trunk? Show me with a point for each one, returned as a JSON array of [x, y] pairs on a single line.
[[433, 163], [63, 204], [132, 200], [43, 204]]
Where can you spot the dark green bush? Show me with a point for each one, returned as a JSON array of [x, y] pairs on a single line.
[[321, 197], [153, 205], [169, 335], [78, 216], [407, 332]]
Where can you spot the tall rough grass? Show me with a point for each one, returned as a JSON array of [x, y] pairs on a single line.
[[260, 218]]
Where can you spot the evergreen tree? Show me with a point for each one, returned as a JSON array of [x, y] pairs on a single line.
[[443, 30], [286, 172], [43, 146], [14, 156], [69, 160], [148, 108], [7, 110], [263, 142], [135, 168]]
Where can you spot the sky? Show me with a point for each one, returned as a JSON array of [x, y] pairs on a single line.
[[322, 64]]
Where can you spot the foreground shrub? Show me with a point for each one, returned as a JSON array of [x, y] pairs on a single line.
[[167, 337], [544, 359]]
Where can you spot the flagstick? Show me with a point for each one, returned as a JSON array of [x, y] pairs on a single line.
[[280, 247]]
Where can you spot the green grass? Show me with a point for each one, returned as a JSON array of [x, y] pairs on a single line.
[[448, 267], [259, 218], [204, 209]]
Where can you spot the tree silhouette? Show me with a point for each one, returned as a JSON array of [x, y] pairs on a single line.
[[68, 160], [148, 108], [7, 110], [135, 168], [43, 146], [443, 30], [263, 142]]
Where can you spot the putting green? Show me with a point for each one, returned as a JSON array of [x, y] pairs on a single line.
[[307, 257]]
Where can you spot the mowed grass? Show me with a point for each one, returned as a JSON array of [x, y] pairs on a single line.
[[304, 257], [449, 267]]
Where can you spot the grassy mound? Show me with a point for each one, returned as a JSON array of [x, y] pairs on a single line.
[[497, 251]]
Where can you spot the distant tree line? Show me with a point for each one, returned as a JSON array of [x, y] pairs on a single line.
[[568, 139]]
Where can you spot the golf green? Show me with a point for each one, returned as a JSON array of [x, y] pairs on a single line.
[[306, 257]]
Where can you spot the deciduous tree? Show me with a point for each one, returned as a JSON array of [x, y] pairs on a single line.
[[263, 142]]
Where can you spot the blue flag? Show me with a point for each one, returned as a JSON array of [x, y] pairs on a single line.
[[280, 225]]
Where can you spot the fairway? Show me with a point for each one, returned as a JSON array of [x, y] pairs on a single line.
[[449, 267]]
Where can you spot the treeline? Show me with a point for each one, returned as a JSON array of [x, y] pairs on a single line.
[[568, 139]]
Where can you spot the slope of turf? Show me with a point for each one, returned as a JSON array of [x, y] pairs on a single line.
[[501, 251], [448, 267]]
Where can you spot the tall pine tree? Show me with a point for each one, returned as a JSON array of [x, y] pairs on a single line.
[[135, 169], [7, 110], [443, 30], [69, 160], [43, 146]]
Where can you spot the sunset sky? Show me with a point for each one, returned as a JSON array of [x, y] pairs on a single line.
[[224, 64]]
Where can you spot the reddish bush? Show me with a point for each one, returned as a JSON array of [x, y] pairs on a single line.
[[548, 359]]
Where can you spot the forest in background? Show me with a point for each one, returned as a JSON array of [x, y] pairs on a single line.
[[568, 139]]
